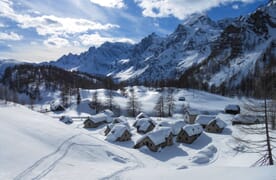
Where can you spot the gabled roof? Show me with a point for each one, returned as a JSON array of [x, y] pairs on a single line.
[[141, 115], [108, 112], [101, 117], [120, 119], [193, 129], [125, 123], [144, 123], [232, 107], [66, 119], [246, 118], [116, 132], [177, 126], [191, 111], [204, 119], [158, 136], [219, 122]]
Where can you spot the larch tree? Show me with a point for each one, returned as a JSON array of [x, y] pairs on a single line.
[[133, 105], [160, 106]]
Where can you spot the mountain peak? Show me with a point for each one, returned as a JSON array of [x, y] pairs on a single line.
[[198, 19]]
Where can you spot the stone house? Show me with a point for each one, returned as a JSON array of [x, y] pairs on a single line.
[[144, 125], [119, 132], [215, 126], [189, 133], [155, 140]]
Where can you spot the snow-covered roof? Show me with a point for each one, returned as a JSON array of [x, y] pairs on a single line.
[[246, 118], [158, 136], [100, 118], [141, 115], [108, 112], [204, 119], [55, 104], [219, 122], [144, 126], [125, 123], [232, 107], [144, 123], [191, 111], [66, 119], [193, 129], [116, 132], [119, 119], [177, 126]]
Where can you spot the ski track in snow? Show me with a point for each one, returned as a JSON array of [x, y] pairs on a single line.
[[115, 175], [46, 164]]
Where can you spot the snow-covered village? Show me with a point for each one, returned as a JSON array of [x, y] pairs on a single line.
[[191, 97]]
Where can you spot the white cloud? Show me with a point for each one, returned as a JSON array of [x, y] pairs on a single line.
[[10, 36], [34, 53], [110, 3], [97, 40], [2, 25], [49, 24], [235, 6], [56, 42], [180, 8]]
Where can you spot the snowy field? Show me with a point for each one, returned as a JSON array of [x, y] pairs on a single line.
[[38, 146]]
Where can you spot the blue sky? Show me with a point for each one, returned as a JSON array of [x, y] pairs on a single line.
[[43, 30]]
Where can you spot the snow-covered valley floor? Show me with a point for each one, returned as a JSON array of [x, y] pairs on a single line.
[[37, 146]]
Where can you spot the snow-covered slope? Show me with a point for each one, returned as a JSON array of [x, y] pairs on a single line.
[[34, 146], [37, 146], [213, 53]]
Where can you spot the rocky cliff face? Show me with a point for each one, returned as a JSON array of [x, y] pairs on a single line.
[[199, 51]]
